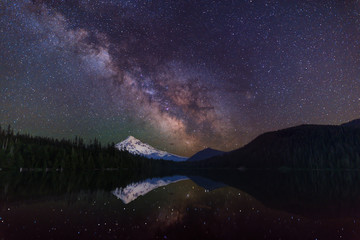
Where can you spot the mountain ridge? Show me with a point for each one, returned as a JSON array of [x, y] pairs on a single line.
[[305, 146], [354, 123]]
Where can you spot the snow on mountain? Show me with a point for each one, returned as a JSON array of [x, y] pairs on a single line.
[[135, 190], [135, 146]]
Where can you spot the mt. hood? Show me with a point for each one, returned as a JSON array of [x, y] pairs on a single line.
[[135, 146]]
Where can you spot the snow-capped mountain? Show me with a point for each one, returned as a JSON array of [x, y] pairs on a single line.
[[135, 190], [135, 146]]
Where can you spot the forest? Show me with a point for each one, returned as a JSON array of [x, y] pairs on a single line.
[[26, 152]]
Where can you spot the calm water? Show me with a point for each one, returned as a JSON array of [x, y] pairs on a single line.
[[180, 205]]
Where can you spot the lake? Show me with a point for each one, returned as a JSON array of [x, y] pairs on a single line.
[[203, 204]]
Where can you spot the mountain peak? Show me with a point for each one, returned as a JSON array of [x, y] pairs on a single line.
[[205, 153], [208, 149], [131, 139], [136, 147]]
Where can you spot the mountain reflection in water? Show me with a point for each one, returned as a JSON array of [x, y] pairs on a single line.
[[192, 205], [135, 190]]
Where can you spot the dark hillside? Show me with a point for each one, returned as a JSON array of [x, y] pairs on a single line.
[[305, 146]]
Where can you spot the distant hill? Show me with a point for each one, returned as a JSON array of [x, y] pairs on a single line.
[[354, 123], [204, 154], [305, 146]]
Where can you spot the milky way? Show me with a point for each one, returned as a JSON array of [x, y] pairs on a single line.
[[179, 75]]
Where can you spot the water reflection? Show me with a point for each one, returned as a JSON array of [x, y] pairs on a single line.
[[191, 205], [137, 189]]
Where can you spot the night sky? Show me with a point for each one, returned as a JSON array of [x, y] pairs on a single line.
[[179, 75]]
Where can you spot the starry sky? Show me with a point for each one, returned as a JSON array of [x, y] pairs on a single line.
[[179, 75]]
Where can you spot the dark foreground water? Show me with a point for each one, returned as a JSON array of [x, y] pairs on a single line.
[[180, 205]]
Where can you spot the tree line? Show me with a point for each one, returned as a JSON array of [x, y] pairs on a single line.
[[23, 151]]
